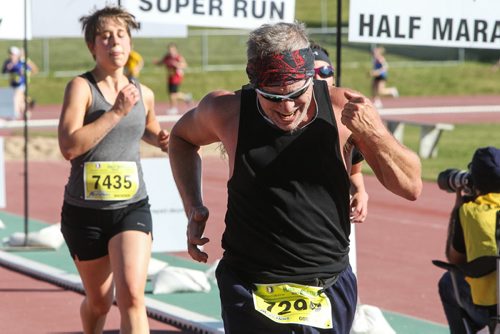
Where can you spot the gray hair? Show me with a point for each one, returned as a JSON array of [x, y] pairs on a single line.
[[271, 39]]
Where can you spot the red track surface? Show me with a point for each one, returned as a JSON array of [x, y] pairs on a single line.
[[395, 245]]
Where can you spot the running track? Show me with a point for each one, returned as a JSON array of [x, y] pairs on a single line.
[[395, 245]]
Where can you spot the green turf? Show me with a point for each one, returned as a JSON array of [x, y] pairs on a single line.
[[403, 324], [204, 303]]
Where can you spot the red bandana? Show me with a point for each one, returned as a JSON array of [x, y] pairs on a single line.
[[281, 69]]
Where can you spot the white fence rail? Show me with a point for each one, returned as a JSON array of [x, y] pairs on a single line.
[[52, 123]]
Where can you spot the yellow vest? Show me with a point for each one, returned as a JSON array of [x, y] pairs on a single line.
[[478, 220]]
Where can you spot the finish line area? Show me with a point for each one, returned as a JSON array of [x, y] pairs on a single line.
[[193, 311], [395, 246]]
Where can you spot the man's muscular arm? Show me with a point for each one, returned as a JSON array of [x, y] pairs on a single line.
[[396, 167]]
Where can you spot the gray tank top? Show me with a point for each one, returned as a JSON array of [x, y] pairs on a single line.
[[113, 165]]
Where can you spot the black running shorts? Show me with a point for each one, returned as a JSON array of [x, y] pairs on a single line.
[[88, 231]]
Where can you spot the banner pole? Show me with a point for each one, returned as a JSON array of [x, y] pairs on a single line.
[[338, 69], [25, 65]]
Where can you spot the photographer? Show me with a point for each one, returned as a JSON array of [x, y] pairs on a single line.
[[471, 234]]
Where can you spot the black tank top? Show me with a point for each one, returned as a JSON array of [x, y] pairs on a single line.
[[288, 199]]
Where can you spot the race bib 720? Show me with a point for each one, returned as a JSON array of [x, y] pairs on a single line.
[[294, 303]]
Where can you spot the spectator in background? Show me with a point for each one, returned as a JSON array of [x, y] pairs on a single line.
[[323, 70], [496, 66], [379, 74], [134, 65], [175, 64], [14, 66], [471, 234]]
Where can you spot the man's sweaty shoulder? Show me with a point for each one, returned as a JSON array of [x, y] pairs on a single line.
[[221, 107], [224, 110], [229, 101], [214, 119]]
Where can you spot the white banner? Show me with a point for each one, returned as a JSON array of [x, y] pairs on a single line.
[[12, 20], [169, 219], [245, 14], [447, 23], [48, 20]]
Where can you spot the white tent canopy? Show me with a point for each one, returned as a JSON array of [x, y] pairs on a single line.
[[12, 20], [60, 18]]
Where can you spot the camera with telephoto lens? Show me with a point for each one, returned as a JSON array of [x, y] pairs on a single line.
[[452, 179]]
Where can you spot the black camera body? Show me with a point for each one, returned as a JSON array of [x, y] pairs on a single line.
[[451, 179]]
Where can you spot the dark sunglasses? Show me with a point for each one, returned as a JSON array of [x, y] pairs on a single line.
[[288, 97], [324, 71]]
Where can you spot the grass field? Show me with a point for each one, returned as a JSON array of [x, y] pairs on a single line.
[[455, 147], [412, 76], [417, 71]]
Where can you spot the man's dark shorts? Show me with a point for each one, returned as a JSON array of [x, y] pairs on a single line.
[[240, 316], [87, 231]]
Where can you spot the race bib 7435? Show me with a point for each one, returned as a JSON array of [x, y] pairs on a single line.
[[110, 180]]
